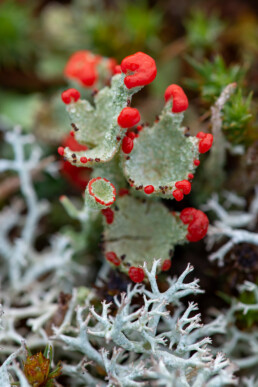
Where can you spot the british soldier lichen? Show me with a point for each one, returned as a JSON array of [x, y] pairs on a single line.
[[157, 162], [86, 69]]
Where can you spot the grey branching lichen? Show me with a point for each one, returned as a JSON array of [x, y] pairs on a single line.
[[230, 224], [145, 345], [23, 267], [242, 346], [22, 264]]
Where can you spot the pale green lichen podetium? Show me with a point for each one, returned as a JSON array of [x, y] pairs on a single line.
[[97, 126], [157, 162], [162, 155]]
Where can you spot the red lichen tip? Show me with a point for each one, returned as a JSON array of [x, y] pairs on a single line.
[[196, 162], [83, 160], [113, 258], [123, 192], [82, 66], [200, 135], [109, 215], [198, 223], [71, 143], [143, 68], [166, 265], [149, 189], [111, 64], [117, 69], [70, 95], [178, 195], [184, 185], [190, 176], [128, 117], [60, 150], [206, 140], [127, 145], [132, 135], [79, 177], [180, 101], [136, 274]]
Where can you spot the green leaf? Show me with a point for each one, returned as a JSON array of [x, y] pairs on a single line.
[[212, 76], [203, 30], [236, 117], [45, 354]]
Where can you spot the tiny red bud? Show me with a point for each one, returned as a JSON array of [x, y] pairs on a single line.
[[83, 160], [73, 145], [196, 162], [143, 68], [166, 265], [128, 117], [178, 195], [117, 69], [139, 128], [82, 67], [184, 185], [109, 215], [60, 150], [187, 215], [190, 176], [198, 223], [200, 135], [136, 274], [180, 101], [149, 189], [70, 95], [79, 177], [206, 140], [127, 145], [132, 135], [113, 258], [123, 192]]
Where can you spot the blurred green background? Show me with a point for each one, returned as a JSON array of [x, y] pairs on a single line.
[[37, 37]]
